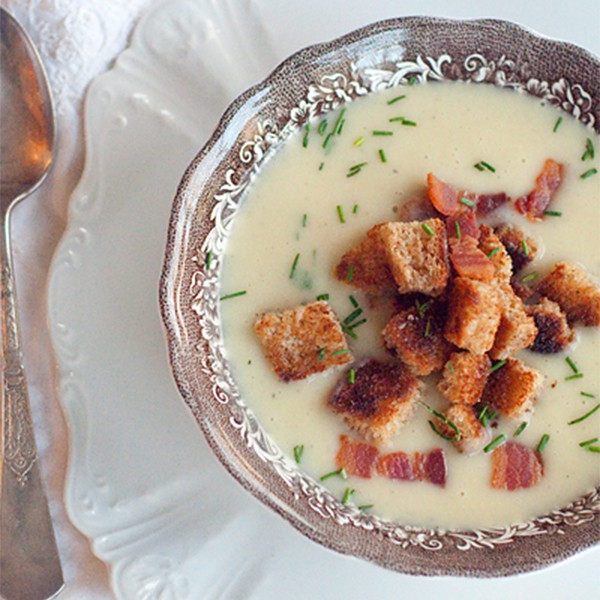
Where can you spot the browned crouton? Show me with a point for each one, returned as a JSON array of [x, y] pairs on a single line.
[[473, 315], [517, 330], [572, 288], [365, 266], [417, 254], [465, 375], [512, 389], [521, 289], [415, 336], [301, 341], [554, 333], [521, 248], [473, 435], [492, 247], [375, 399]]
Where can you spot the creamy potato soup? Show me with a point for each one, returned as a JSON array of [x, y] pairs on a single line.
[[306, 210]]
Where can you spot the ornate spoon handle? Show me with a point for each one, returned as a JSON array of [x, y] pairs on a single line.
[[29, 562]]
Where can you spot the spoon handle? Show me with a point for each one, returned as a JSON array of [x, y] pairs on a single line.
[[29, 561]]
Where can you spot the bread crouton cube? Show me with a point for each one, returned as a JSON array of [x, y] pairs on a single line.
[[513, 388], [464, 377], [365, 266], [573, 289], [554, 333], [417, 255], [302, 341], [473, 435], [517, 330], [473, 315], [415, 336], [521, 248], [375, 399], [494, 249]]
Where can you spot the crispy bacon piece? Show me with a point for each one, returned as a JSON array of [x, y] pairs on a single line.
[[469, 261], [487, 203], [444, 197], [537, 201], [516, 466], [357, 458]]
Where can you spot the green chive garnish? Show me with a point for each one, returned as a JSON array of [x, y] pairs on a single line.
[[553, 213], [495, 443], [298, 452], [412, 80], [304, 220], [338, 473], [340, 352], [557, 124], [493, 251], [366, 506], [483, 416], [327, 140], [358, 166], [235, 295], [382, 156], [479, 167], [422, 308], [323, 297], [353, 301], [321, 166], [588, 442], [487, 166], [396, 119], [347, 495], [351, 376], [593, 448], [589, 150], [451, 367], [427, 332], [322, 127], [353, 315], [575, 376], [587, 395], [305, 138], [408, 123], [396, 99], [525, 247], [529, 277], [340, 213], [337, 128], [383, 133], [448, 422], [520, 429], [208, 260], [322, 353], [573, 366], [457, 229], [467, 202], [350, 274], [543, 442], [355, 209], [427, 229], [355, 325], [497, 365], [294, 265], [358, 141], [588, 173], [587, 414], [348, 331]]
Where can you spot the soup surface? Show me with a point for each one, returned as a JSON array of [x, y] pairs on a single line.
[[291, 210]]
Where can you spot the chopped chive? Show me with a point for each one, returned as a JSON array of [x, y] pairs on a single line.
[[209, 256], [553, 213], [583, 417], [396, 99], [408, 123], [487, 166], [353, 300], [298, 452], [323, 297], [321, 166], [396, 119], [327, 140], [543, 442], [366, 506], [355, 325], [350, 274], [347, 495], [493, 251], [340, 352], [337, 473], [422, 308], [520, 429], [575, 376], [457, 229], [497, 365], [377, 132], [304, 220], [305, 138], [412, 80], [382, 155], [525, 247], [294, 265], [529, 277], [322, 353], [448, 422], [588, 173], [358, 141], [348, 331], [337, 128], [498, 441], [235, 295], [467, 202], [588, 442], [340, 213], [353, 173], [340, 127], [451, 367], [427, 229], [573, 366], [427, 332], [351, 376], [593, 448], [557, 124], [492, 415], [587, 395], [322, 127], [353, 315], [355, 209], [589, 150], [479, 167], [483, 416], [358, 166]]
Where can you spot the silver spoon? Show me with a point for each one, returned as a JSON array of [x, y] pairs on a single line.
[[29, 561]]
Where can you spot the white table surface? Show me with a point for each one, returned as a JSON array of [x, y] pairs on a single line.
[[64, 31]]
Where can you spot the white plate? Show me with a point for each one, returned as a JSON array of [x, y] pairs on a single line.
[[142, 483]]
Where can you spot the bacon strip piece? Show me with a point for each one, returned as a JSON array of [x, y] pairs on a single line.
[[364, 460], [537, 201], [469, 261], [467, 226], [444, 197], [516, 466], [487, 203]]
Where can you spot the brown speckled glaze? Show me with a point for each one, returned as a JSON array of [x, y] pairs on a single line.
[[313, 81]]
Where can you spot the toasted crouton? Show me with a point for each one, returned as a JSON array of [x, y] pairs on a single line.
[[473, 435], [417, 255], [521, 289], [301, 341], [554, 333], [491, 245], [473, 315], [513, 388], [377, 401], [365, 266], [415, 335], [517, 330], [521, 248], [575, 292], [464, 377]]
